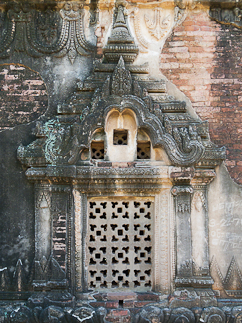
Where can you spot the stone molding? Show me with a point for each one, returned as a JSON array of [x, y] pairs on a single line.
[[81, 312]]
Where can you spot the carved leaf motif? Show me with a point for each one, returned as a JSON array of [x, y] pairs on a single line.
[[233, 279], [216, 275], [39, 33], [159, 26], [143, 43], [121, 80], [48, 270], [18, 276], [43, 200], [47, 27], [137, 89], [72, 54], [183, 207], [4, 279], [199, 201]]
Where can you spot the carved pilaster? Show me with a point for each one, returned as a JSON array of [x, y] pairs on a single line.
[[199, 233], [199, 223], [42, 221], [60, 209], [52, 250], [163, 243], [80, 209], [182, 197]]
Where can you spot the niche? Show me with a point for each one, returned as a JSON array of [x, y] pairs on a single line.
[[97, 145], [143, 145], [97, 150], [121, 133]]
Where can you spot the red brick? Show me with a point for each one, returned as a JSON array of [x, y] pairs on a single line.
[[216, 50], [128, 304], [120, 312], [113, 304], [147, 297], [98, 304], [121, 296]]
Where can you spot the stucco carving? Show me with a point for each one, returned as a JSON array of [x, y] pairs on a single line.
[[152, 25], [49, 32], [229, 15], [64, 139]]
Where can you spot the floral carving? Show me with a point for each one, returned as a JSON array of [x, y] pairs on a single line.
[[49, 32], [48, 26], [159, 25], [121, 84]]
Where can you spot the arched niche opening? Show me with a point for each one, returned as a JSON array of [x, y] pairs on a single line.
[[122, 140], [121, 134], [97, 150]]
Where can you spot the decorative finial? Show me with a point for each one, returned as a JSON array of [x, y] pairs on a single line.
[[120, 43]]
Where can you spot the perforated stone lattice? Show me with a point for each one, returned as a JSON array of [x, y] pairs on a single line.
[[143, 150], [120, 137], [119, 241], [97, 150]]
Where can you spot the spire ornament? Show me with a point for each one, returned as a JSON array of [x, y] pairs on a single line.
[[120, 43]]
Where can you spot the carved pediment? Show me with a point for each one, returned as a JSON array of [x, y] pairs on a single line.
[[119, 86]]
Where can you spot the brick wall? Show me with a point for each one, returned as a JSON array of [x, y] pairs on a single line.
[[23, 95], [203, 59]]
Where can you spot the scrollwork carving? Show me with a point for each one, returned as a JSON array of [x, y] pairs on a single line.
[[159, 25], [182, 314], [49, 32], [199, 201], [212, 315], [150, 314]]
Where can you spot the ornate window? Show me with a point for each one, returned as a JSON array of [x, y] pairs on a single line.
[[119, 243]]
